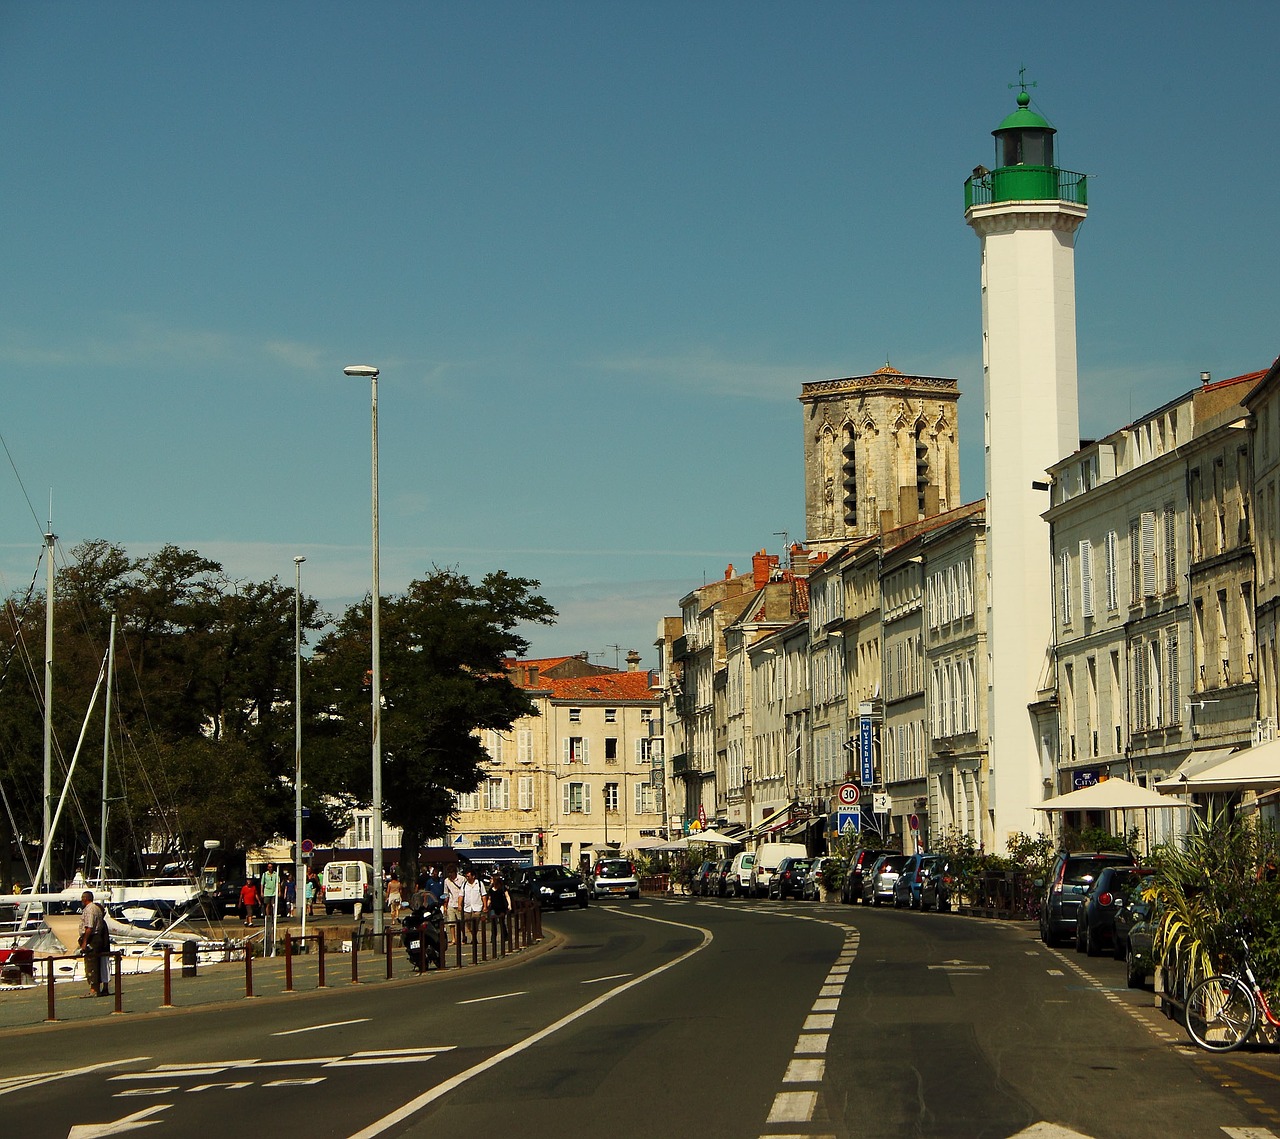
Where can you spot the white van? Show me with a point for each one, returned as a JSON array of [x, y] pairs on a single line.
[[348, 885], [766, 864]]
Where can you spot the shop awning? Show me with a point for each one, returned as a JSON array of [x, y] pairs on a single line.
[[1254, 769]]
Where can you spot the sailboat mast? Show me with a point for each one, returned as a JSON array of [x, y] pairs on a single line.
[[46, 836], [106, 751]]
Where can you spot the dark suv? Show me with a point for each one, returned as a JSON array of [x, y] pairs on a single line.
[[1069, 880]]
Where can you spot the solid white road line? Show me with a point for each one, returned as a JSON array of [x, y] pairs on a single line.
[[405, 1111], [318, 1027]]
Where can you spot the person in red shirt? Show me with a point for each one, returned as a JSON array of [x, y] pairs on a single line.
[[249, 900]]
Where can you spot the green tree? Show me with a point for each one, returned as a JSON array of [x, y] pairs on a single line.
[[443, 647]]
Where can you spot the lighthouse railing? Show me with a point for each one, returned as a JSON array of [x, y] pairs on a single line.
[[1026, 184]]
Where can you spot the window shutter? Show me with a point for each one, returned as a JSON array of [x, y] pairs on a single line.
[[1171, 680], [1065, 570], [1170, 550], [586, 798], [1113, 584], [1148, 553], [586, 751], [566, 798], [567, 754], [1086, 578]]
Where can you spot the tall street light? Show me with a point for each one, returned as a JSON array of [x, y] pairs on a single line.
[[369, 371], [299, 865]]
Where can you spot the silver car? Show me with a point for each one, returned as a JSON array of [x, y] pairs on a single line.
[[877, 886], [615, 878]]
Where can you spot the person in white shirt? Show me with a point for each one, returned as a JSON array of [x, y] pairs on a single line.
[[453, 885], [475, 901]]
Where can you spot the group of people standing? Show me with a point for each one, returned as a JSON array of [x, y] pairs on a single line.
[[275, 894], [465, 898]]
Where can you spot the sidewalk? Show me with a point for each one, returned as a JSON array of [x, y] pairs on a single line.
[[22, 1009]]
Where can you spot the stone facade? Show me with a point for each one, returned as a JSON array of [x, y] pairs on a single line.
[[880, 451]]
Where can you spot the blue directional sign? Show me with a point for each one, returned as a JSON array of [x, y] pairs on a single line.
[[847, 822], [864, 751]]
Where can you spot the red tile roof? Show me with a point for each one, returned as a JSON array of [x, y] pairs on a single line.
[[618, 686]]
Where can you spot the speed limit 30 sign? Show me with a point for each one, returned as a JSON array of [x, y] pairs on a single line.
[[849, 794]]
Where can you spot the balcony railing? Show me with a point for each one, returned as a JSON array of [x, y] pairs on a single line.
[[1026, 184]]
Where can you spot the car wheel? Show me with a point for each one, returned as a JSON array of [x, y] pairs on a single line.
[[1134, 976], [582, 904], [1091, 946], [1118, 949], [1079, 938], [875, 899]]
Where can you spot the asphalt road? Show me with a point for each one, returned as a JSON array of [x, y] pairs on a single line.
[[671, 1017]]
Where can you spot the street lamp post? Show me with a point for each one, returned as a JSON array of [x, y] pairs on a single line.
[[299, 865], [369, 371]]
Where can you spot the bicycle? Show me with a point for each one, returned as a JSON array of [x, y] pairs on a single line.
[[1222, 1011]]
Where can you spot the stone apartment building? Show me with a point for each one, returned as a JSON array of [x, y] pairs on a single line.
[[1153, 601], [577, 778]]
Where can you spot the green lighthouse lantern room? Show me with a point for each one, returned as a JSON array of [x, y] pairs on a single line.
[[1025, 170]]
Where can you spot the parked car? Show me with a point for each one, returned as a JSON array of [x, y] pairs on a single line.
[[722, 877], [906, 890], [789, 881], [1136, 922], [554, 886], [1096, 922], [859, 863], [939, 886], [877, 883], [615, 878], [702, 878], [1069, 880], [812, 888], [768, 858], [740, 873]]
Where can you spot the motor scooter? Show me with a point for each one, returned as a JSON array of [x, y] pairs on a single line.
[[423, 935]]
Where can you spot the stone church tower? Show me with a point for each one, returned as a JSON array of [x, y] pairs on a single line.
[[880, 451]]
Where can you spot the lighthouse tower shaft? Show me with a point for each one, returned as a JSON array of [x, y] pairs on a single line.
[[1026, 214]]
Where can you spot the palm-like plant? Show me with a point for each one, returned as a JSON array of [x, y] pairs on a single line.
[[1205, 888]]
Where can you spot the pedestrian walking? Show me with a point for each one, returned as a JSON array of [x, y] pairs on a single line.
[[249, 900], [95, 945], [475, 902], [453, 884], [393, 896], [270, 890], [311, 892], [500, 906]]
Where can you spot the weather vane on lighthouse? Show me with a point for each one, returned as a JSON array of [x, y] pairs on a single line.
[[1022, 80]]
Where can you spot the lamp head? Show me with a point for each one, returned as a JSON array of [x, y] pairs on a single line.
[[368, 371], [299, 559]]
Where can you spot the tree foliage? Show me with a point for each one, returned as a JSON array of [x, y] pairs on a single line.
[[443, 647], [202, 705]]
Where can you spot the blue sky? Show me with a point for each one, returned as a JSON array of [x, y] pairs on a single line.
[[595, 250]]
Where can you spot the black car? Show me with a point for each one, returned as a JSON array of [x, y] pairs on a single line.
[[706, 879], [553, 886], [1096, 923], [722, 878], [859, 864], [1136, 920], [938, 887], [789, 881], [1072, 874]]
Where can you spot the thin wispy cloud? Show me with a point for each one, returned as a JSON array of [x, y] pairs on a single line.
[[708, 370]]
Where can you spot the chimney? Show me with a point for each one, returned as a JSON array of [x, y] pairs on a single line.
[[760, 569], [633, 661], [799, 560], [728, 573]]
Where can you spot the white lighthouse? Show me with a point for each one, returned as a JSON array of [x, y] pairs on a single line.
[[1026, 213]]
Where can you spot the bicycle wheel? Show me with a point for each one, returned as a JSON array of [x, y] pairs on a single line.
[[1221, 1013]]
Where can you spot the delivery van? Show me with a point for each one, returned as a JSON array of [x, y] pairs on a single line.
[[346, 885], [765, 866]]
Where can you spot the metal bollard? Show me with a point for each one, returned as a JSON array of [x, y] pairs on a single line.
[[355, 956], [168, 977], [189, 958], [48, 965], [119, 973], [386, 935], [320, 959], [288, 962], [248, 969]]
